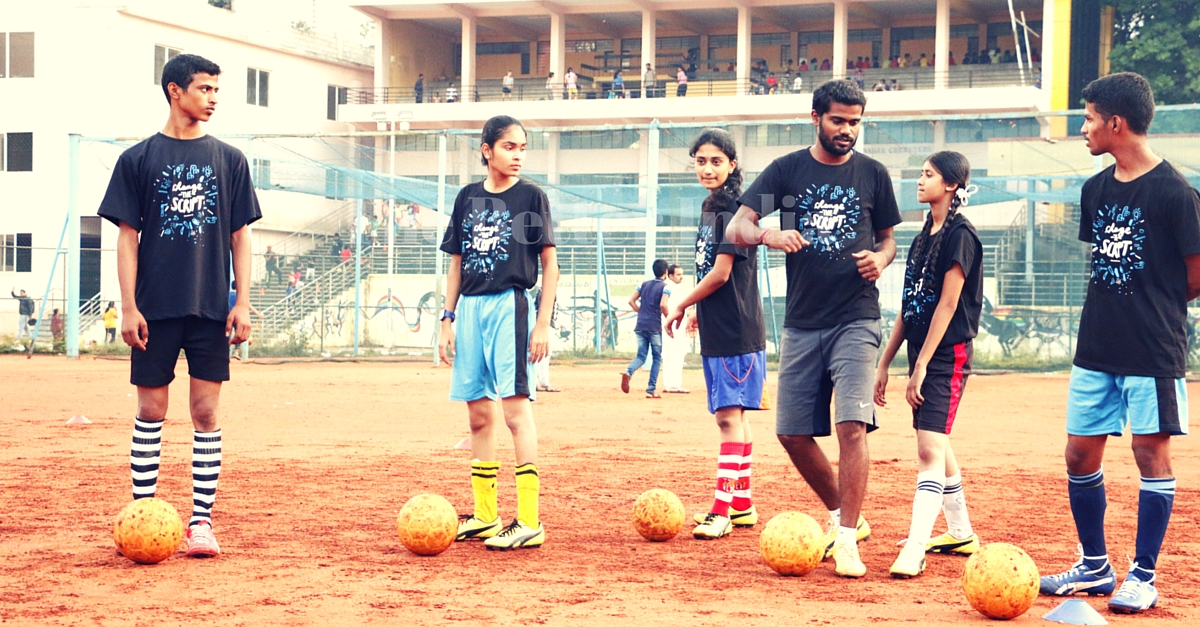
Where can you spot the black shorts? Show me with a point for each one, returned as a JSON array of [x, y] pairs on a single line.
[[945, 378], [202, 340], [507, 90]]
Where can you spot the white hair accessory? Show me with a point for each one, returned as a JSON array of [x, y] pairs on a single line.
[[964, 194]]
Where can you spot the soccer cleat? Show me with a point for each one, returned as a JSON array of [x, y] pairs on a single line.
[[712, 527], [950, 545], [747, 518], [1134, 596], [517, 535], [909, 564], [471, 528], [846, 562], [1080, 579], [862, 533], [201, 542]]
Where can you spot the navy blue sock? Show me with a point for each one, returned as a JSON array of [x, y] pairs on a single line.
[[1088, 503], [1154, 511]]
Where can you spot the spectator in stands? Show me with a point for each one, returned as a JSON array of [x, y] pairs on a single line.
[[412, 216], [826, 65], [772, 83], [858, 63], [803, 66], [1035, 57], [506, 86], [732, 67], [25, 309], [951, 58], [893, 86], [335, 248], [572, 83], [419, 88], [796, 84], [1009, 57], [905, 60], [894, 62], [681, 79], [649, 82], [813, 65], [310, 272], [550, 85], [345, 254], [968, 58], [272, 260], [859, 78], [880, 85], [56, 326], [618, 85], [850, 65], [789, 67], [994, 55], [451, 93], [785, 85], [110, 322], [923, 61]]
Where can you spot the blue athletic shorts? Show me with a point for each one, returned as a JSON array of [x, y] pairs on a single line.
[[737, 381], [1099, 403], [491, 347]]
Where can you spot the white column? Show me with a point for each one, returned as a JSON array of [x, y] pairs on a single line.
[[558, 48], [841, 35], [652, 148], [744, 31], [649, 45], [941, 45], [1047, 42], [468, 60], [551, 158]]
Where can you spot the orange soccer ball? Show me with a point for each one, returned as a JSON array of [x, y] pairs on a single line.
[[427, 524], [1000, 581], [148, 531], [658, 515], [792, 544]]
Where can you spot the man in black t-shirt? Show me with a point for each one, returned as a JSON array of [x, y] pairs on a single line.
[[837, 209], [1142, 220], [182, 201]]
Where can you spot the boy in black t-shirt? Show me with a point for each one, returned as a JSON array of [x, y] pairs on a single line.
[[1143, 222], [943, 298], [837, 209], [182, 201], [500, 229], [732, 334], [649, 301]]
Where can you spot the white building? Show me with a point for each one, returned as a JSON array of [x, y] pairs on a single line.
[[93, 68]]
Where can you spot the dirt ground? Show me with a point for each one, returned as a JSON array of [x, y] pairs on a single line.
[[319, 457]]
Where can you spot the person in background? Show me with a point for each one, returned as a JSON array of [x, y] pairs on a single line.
[[110, 323]]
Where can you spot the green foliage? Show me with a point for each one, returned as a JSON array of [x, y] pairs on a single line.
[[118, 347], [1161, 41], [293, 344]]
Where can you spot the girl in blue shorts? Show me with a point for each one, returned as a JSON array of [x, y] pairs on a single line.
[[943, 297]]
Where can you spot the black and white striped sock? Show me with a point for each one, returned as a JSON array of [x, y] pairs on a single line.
[[206, 467], [144, 455]]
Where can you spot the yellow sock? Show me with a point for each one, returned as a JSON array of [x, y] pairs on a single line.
[[483, 484], [528, 487]]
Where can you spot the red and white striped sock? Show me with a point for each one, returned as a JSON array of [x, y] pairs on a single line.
[[728, 464], [741, 489]]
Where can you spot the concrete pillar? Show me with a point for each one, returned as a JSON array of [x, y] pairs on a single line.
[[841, 36], [383, 54], [743, 49], [552, 158], [939, 135], [794, 40], [941, 46], [558, 48], [468, 59], [703, 65], [649, 44]]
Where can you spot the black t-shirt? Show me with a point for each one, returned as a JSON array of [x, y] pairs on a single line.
[[731, 318], [1135, 316], [649, 316], [500, 236], [922, 292], [185, 198], [838, 209]]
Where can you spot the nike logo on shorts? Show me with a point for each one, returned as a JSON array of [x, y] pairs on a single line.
[[863, 405]]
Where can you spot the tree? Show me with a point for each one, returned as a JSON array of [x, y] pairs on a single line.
[[1161, 41]]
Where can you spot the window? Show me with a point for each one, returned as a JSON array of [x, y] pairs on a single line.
[[722, 41], [17, 151], [864, 34], [17, 255], [902, 133], [588, 45], [335, 184], [630, 178], [823, 37], [780, 135], [16, 55], [585, 140], [504, 47], [677, 43], [262, 173], [334, 97], [962, 31], [770, 39], [162, 54], [257, 82], [962, 131]]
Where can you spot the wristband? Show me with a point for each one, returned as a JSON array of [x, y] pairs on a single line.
[[448, 315], [762, 237]]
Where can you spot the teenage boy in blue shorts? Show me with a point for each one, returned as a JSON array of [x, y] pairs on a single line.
[[1142, 219]]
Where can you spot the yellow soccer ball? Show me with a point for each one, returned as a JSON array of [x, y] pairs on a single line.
[[1000, 581], [148, 531], [792, 544], [658, 515], [427, 524]]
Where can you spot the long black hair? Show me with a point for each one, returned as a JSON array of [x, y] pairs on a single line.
[[721, 197], [955, 170], [494, 129]]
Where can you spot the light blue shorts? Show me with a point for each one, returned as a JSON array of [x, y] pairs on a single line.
[[737, 381], [1099, 403], [491, 347]]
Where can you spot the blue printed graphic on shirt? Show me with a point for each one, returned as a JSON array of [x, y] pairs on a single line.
[[1118, 237], [187, 201], [487, 233], [828, 217], [919, 297], [704, 251]]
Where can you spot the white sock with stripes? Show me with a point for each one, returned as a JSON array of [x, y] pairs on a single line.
[[144, 455], [927, 504], [954, 506], [206, 467]]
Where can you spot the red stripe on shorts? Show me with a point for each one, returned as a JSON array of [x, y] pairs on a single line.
[[956, 383]]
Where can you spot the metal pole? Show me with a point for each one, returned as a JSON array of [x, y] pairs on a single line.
[[1012, 16], [1030, 221], [574, 304], [358, 217], [71, 307], [441, 217], [599, 256], [770, 298], [652, 143], [41, 312], [391, 239]]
